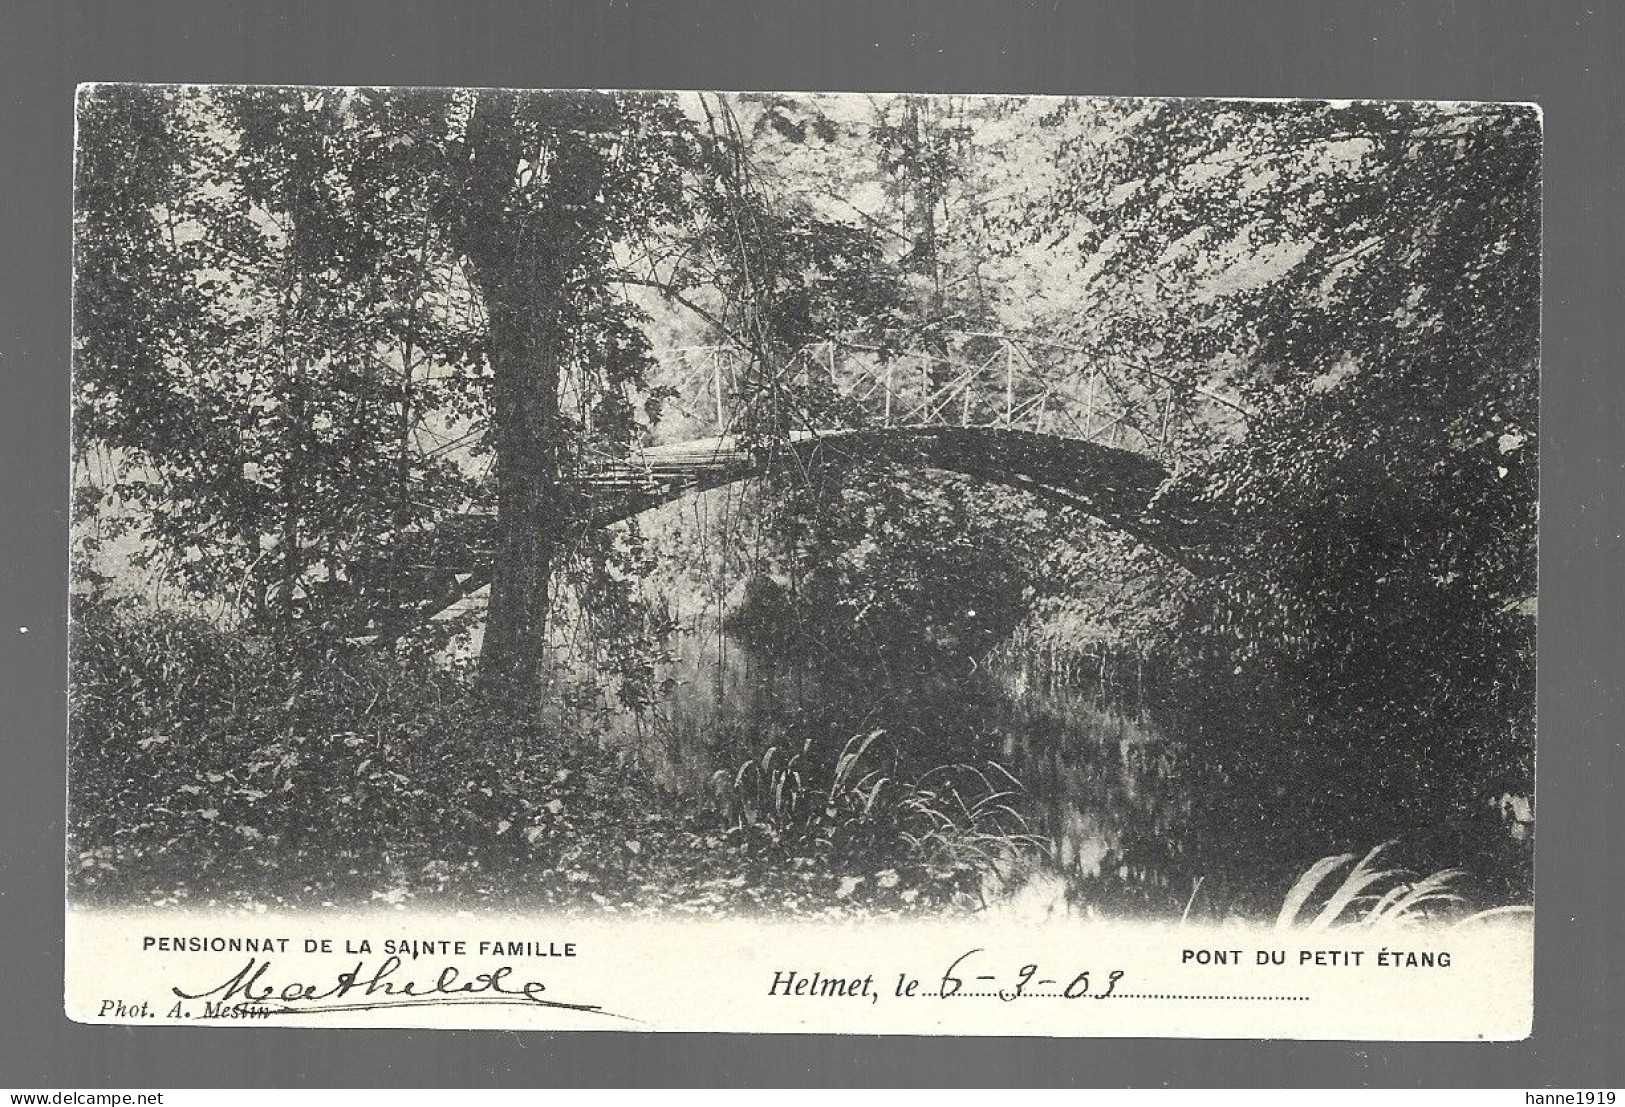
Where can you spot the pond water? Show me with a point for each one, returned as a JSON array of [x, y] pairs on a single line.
[[1140, 810]]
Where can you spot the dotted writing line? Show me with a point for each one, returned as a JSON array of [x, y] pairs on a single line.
[[1160, 995]]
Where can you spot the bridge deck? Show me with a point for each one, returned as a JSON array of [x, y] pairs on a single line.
[[1123, 488], [1116, 485]]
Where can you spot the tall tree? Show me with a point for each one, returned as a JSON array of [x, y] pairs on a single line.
[[247, 348], [287, 296], [541, 192], [1364, 278]]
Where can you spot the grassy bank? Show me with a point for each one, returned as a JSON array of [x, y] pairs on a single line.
[[212, 768]]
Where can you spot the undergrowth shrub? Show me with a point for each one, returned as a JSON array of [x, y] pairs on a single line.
[[933, 837], [205, 763], [210, 766], [1371, 897]]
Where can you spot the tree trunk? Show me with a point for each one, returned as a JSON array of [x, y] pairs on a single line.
[[524, 241], [511, 260], [527, 345]]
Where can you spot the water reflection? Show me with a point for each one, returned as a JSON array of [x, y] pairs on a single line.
[[1140, 819]]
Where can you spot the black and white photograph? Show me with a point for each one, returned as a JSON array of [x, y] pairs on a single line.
[[852, 514]]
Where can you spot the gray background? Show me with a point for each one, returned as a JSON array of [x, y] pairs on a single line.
[[1559, 54]]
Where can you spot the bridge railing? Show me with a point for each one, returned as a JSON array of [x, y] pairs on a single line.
[[967, 378]]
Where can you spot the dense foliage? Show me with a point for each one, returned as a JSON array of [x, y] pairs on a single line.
[[360, 779], [317, 329]]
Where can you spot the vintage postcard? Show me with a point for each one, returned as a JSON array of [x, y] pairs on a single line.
[[781, 562]]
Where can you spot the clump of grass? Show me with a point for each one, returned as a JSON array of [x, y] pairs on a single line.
[[951, 826], [1368, 896], [977, 826]]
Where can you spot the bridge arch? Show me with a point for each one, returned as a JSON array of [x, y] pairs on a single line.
[[1122, 488], [1119, 487]]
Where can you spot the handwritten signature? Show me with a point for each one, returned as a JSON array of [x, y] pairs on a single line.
[[375, 986]]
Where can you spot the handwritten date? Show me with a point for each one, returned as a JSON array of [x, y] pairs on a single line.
[[974, 973]]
